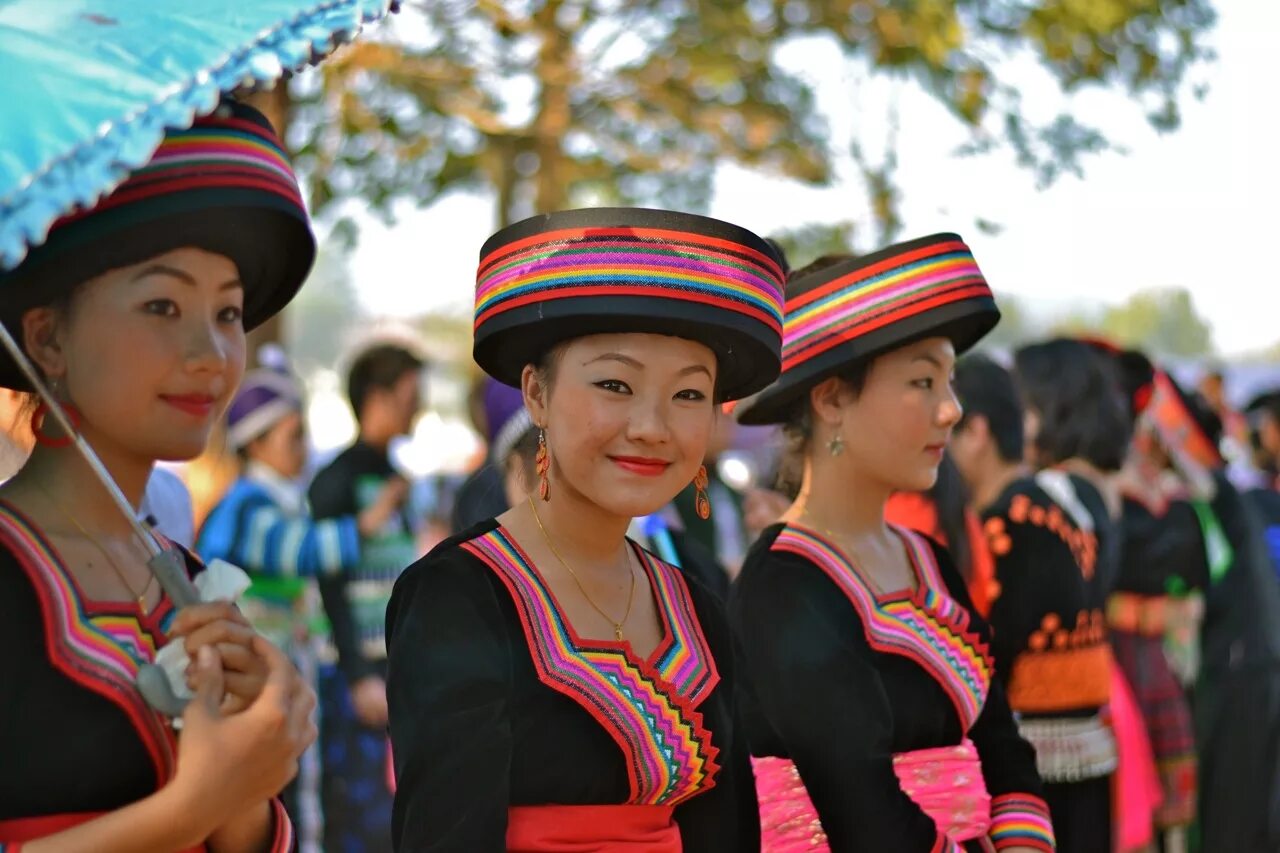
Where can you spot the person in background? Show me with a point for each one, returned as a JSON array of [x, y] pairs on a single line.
[[1236, 700], [1046, 604], [383, 386], [262, 525], [482, 494], [1235, 426]]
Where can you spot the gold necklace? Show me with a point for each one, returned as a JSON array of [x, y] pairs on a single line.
[[617, 626], [139, 597], [855, 563]]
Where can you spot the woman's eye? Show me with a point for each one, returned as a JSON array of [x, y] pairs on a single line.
[[231, 314], [691, 394], [926, 384], [161, 307], [614, 385]]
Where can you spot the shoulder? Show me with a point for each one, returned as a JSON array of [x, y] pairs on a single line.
[[447, 571], [779, 581]]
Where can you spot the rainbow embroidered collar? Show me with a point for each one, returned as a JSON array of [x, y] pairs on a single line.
[[925, 625], [97, 645], [647, 706]]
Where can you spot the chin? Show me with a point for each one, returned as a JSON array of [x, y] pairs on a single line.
[[630, 505], [176, 449], [920, 481]]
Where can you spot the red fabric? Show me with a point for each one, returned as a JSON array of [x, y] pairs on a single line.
[[1135, 788], [916, 510], [14, 832], [31, 828], [582, 829]]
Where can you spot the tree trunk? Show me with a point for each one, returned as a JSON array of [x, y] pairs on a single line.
[[273, 104], [554, 70]]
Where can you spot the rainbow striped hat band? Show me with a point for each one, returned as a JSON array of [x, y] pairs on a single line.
[[224, 185], [854, 310], [580, 272]]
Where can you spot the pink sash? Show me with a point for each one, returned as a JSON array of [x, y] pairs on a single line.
[[946, 783]]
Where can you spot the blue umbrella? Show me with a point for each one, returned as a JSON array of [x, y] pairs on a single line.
[[89, 88]]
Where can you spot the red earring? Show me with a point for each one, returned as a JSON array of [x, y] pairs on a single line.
[[542, 464], [38, 421], [702, 502]]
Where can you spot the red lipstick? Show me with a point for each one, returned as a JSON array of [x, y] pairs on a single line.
[[644, 466], [196, 405]]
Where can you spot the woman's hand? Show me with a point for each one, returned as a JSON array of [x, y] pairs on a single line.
[[221, 625], [228, 764]]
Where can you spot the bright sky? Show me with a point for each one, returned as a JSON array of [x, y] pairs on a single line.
[[1195, 208]]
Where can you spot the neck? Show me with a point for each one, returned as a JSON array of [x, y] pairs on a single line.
[[840, 498], [1106, 484], [61, 475], [585, 534], [995, 479], [375, 437]]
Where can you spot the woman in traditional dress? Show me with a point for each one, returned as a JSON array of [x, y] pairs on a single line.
[[552, 685], [874, 713], [135, 313]]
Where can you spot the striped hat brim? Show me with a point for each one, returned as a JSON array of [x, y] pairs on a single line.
[[570, 274], [853, 311]]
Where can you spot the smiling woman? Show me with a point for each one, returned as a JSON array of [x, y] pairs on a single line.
[[552, 685], [134, 312]]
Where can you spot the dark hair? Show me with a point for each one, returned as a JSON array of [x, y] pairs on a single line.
[[1076, 394], [380, 367], [987, 389], [951, 502]]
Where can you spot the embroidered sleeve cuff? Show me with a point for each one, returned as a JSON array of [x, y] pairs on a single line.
[[281, 829], [1021, 820]]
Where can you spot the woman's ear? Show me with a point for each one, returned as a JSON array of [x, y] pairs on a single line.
[[533, 385], [828, 399], [42, 342]]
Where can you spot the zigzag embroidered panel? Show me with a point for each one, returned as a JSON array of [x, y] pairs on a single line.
[[925, 625], [647, 707]]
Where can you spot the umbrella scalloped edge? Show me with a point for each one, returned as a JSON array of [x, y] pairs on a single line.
[[81, 177]]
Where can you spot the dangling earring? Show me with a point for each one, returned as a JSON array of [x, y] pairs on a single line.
[[836, 444], [702, 501], [41, 413], [542, 464]]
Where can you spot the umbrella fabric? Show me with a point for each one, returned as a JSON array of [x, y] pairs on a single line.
[[89, 86]]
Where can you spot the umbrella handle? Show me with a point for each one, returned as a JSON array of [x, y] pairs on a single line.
[[153, 684]]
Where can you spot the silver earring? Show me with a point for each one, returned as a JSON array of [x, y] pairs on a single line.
[[836, 444]]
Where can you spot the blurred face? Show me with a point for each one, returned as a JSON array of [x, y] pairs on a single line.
[[403, 402], [897, 428], [150, 354], [627, 418], [1269, 436], [283, 448]]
